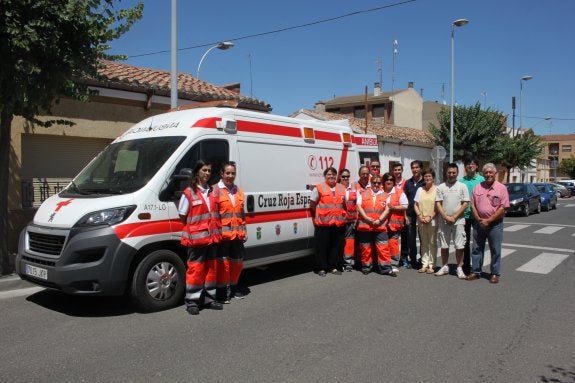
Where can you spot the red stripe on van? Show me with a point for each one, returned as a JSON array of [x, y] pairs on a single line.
[[271, 216], [258, 127], [343, 158], [327, 136], [206, 122], [137, 229]]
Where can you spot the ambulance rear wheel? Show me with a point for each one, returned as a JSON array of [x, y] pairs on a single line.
[[159, 281]]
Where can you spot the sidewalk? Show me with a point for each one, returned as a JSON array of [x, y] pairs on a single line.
[[13, 282]]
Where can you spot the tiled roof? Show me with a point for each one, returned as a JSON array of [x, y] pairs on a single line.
[[558, 137], [128, 77], [387, 132], [360, 98]]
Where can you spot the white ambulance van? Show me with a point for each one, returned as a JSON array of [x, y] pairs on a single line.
[[115, 229]]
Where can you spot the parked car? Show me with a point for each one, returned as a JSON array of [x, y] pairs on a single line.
[[548, 196], [523, 198], [561, 190], [569, 184]]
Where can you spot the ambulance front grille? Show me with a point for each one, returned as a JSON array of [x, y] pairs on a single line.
[[46, 243]]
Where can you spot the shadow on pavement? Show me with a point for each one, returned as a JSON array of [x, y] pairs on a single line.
[[275, 271], [82, 306], [86, 306], [559, 375]]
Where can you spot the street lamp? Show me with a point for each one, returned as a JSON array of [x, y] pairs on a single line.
[[524, 78], [224, 45], [456, 23]]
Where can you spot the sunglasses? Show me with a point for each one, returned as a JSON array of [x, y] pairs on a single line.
[[375, 166], [376, 183], [344, 176]]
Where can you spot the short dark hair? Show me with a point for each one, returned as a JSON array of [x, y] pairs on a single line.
[[469, 160], [396, 164], [417, 162], [330, 169], [428, 171], [452, 165]]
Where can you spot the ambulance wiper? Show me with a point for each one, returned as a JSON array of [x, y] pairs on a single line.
[[75, 189], [103, 191]]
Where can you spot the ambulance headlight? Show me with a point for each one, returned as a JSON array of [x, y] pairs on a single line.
[[106, 217]]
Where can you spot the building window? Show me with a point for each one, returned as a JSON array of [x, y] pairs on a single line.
[[553, 149], [336, 110], [359, 112], [566, 148], [378, 111]]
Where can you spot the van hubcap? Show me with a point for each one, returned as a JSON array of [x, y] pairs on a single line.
[[162, 280]]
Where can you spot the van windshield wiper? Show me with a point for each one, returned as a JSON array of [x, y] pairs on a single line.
[[75, 189]]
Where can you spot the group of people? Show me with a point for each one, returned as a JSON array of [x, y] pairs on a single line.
[[368, 223], [214, 234], [364, 225]]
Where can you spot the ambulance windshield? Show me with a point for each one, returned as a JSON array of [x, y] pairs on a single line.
[[123, 167]]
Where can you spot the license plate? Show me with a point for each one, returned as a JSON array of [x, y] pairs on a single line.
[[36, 272]]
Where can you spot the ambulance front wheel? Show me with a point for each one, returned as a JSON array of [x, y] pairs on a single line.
[[159, 281]]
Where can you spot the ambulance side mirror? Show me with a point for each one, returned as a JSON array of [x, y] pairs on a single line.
[[250, 204]]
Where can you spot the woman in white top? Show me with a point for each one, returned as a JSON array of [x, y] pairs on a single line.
[[425, 210]]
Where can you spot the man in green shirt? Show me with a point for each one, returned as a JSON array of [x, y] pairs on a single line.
[[471, 178]]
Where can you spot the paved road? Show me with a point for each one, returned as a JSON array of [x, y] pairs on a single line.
[[297, 327]]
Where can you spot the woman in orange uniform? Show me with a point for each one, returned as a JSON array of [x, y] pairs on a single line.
[[198, 211], [328, 207], [231, 250], [372, 229]]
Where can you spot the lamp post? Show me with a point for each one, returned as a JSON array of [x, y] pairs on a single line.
[[456, 23], [224, 45], [524, 78]]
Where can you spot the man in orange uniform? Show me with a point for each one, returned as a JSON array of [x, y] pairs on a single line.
[[231, 250], [371, 229], [198, 211]]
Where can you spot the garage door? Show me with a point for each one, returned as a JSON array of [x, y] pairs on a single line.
[[50, 162]]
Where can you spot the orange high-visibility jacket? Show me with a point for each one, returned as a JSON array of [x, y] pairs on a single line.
[[330, 209], [396, 219], [202, 227], [373, 209], [232, 216], [351, 205]]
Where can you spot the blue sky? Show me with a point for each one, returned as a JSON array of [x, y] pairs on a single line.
[[504, 41]]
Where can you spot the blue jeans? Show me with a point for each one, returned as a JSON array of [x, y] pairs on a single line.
[[493, 234]]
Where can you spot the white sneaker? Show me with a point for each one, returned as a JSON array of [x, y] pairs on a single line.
[[460, 273], [443, 271]]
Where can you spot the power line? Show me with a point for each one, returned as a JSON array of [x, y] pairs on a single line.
[[551, 118], [283, 29]]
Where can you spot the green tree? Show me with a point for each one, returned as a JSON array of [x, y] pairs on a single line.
[[45, 46], [567, 166], [520, 151], [476, 131]]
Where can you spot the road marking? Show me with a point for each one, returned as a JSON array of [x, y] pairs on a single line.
[[511, 222], [19, 292], [540, 247], [548, 230], [544, 263], [515, 227], [569, 205], [487, 255]]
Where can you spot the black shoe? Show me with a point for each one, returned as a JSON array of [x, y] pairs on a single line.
[[365, 272], [348, 269], [214, 306], [336, 272], [321, 273], [193, 310]]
